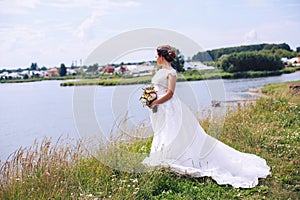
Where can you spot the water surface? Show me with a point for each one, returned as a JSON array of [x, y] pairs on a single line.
[[36, 110]]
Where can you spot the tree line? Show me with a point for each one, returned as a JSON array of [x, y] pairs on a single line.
[[259, 57], [255, 61], [281, 50]]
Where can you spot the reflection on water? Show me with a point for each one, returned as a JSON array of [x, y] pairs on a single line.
[[34, 110]]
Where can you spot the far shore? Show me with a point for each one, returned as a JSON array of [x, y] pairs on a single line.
[[205, 75], [111, 79]]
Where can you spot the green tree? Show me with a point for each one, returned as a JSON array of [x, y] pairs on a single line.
[[33, 66], [215, 54], [298, 49], [255, 61], [62, 70], [44, 68], [25, 76]]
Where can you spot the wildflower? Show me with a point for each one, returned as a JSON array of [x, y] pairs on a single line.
[[143, 148], [135, 180]]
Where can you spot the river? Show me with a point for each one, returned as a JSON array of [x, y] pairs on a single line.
[[36, 110]]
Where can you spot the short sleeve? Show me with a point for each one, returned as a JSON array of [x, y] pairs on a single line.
[[173, 72]]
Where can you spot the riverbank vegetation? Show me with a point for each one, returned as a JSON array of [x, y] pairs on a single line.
[[268, 128], [188, 75]]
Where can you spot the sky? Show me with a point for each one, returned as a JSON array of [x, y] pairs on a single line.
[[51, 32]]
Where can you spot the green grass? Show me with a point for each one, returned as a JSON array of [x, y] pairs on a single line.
[[269, 128], [290, 70]]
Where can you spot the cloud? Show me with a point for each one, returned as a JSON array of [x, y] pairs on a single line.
[[20, 45], [125, 4], [19, 35], [18, 6], [101, 8], [24, 37], [85, 26], [251, 36], [293, 5], [96, 4], [257, 3], [25, 6]]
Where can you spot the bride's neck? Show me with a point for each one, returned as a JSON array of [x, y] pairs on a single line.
[[167, 65]]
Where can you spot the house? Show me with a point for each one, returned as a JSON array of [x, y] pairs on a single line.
[[37, 73], [284, 60], [52, 72], [122, 70], [293, 61], [4, 75], [108, 69], [133, 69], [14, 75], [25, 72], [188, 65], [197, 66], [145, 69], [72, 71]]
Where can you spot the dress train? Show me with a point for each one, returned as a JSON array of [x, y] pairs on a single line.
[[181, 144]]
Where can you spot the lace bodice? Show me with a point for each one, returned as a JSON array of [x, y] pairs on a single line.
[[161, 77]]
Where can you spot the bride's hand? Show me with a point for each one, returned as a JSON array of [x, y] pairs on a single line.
[[152, 104]]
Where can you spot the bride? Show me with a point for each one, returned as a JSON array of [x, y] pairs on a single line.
[[181, 144]]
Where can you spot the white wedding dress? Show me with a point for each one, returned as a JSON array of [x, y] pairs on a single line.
[[181, 144]]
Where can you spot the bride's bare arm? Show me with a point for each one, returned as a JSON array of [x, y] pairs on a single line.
[[168, 95]]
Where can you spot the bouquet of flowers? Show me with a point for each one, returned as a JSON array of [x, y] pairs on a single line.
[[148, 96]]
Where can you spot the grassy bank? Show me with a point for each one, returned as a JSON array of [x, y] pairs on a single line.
[[269, 128], [113, 80], [190, 75]]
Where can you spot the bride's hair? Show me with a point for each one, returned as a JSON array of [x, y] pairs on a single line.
[[168, 52]]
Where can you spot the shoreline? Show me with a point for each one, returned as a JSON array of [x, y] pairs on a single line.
[[112, 80]]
